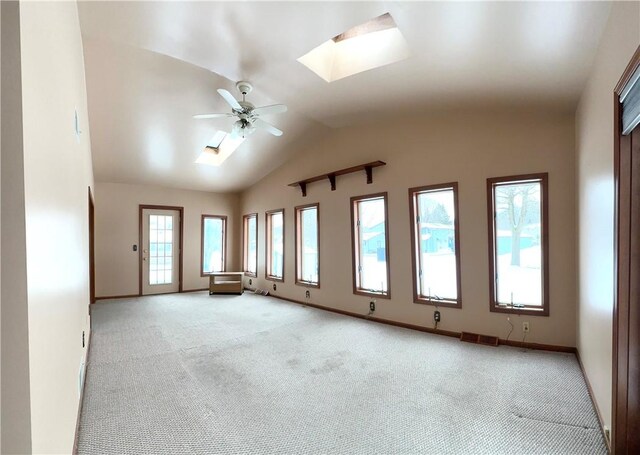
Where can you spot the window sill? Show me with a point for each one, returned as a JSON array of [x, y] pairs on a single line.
[[251, 274], [274, 278], [438, 302], [307, 284], [378, 295], [206, 274], [529, 311]]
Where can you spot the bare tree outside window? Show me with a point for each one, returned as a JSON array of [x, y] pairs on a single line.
[[517, 206]]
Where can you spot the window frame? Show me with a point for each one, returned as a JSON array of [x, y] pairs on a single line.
[[355, 246], [297, 213], [415, 257], [543, 179], [245, 244], [224, 243], [268, 245]]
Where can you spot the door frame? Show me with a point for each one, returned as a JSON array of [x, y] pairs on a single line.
[[626, 208], [142, 207]]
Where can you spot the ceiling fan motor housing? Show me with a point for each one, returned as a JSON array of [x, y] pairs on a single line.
[[244, 87], [246, 105]]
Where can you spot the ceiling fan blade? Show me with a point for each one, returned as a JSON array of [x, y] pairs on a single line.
[[228, 97], [259, 123], [199, 116], [273, 109]]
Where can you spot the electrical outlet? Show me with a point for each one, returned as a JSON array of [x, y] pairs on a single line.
[[372, 305], [436, 316], [274, 286], [307, 294], [525, 327]]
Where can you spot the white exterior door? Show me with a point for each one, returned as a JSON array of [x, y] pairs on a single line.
[[160, 251]]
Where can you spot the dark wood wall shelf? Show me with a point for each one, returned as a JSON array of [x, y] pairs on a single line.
[[331, 176]]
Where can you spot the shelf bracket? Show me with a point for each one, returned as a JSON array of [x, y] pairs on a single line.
[[332, 180], [303, 188], [369, 171]]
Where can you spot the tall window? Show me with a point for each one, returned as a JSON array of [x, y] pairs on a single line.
[[275, 245], [250, 244], [214, 232], [436, 245], [519, 246], [370, 236], [307, 245]]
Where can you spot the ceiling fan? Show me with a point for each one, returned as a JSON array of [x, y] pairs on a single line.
[[248, 115]]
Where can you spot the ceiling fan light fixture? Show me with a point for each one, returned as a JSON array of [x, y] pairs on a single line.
[[248, 129], [242, 128]]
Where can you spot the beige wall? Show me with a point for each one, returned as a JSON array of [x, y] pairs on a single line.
[[56, 175], [423, 150], [117, 231], [595, 190], [58, 172], [16, 415]]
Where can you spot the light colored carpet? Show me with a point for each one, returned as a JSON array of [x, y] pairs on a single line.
[[193, 373]]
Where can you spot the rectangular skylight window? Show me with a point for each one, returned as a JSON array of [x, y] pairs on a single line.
[[370, 45], [226, 145], [216, 140]]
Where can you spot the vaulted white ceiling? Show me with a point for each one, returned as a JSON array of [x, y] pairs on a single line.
[[151, 65]]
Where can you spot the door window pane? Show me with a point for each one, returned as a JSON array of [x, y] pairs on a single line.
[[160, 248]]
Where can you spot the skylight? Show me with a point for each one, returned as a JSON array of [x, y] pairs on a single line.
[[216, 140], [219, 148], [370, 45]]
